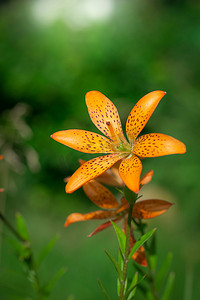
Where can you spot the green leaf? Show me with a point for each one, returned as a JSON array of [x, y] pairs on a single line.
[[169, 286], [103, 289], [21, 227], [149, 296], [121, 236], [130, 196], [141, 241], [115, 263], [163, 271], [132, 288], [18, 246], [139, 268], [120, 263], [49, 286], [152, 252], [45, 251]]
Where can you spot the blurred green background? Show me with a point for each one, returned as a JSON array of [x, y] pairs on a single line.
[[51, 54]]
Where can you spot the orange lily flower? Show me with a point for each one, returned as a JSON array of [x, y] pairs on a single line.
[[105, 116]]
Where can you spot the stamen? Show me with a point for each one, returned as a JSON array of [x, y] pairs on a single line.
[[114, 136]]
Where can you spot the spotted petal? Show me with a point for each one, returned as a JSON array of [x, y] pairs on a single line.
[[157, 144], [100, 195], [129, 171], [102, 111], [94, 215], [148, 209], [141, 113], [83, 141], [90, 170]]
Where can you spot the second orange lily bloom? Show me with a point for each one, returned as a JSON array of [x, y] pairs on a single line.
[[105, 116]]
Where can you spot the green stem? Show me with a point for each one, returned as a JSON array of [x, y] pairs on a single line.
[[126, 253], [12, 229], [31, 263], [151, 272]]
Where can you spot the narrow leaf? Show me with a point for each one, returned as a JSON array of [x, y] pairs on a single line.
[[139, 268], [103, 289], [54, 279], [115, 263], [163, 271], [169, 286], [21, 227], [121, 236], [152, 251], [132, 288], [45, 251], [141, 241]]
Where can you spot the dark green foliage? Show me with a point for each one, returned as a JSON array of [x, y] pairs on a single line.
[[140, 47]]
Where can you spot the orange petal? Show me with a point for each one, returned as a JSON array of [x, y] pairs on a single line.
[[1, 190], [103, 226], [129, 171], [141, 113], [83, 141], [148, 209], [102, 111], [146, 178], [94, 215], [139, 256], [1, 156], [109, 177], [90, 170], [100, 195], [157, 144]]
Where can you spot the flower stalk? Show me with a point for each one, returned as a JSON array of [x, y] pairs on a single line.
[[126, 253]]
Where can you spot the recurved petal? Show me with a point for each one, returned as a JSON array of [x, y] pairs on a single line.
[[139, 256], [103, 226], [129, 171], [100, 195], [157, 144], [90, 170], [102, 111], [83, 141], [141, 113], [148, 209], [146, 178], [94, 215]]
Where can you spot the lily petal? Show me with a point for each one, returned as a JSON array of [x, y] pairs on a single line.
[[148, 209], [102, 227], [100, 195], [139, 256], [83, 141], [146, 178], [141, 113], [94, 215], [129, 171], [90, 170], [102, 111], [157, 144]]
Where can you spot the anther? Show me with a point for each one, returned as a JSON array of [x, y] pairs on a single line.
[[114, 136]]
